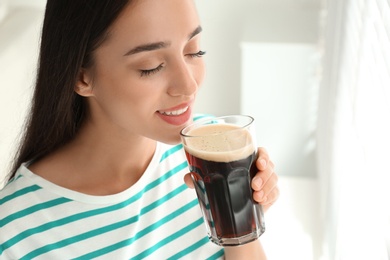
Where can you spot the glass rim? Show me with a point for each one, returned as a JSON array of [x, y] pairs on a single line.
[[203, 120]]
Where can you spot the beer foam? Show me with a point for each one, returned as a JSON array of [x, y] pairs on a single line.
[[219, 143]]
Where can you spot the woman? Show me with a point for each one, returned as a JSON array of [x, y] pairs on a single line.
[[100, 172]]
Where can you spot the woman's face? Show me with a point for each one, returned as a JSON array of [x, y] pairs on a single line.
[[147, 73]]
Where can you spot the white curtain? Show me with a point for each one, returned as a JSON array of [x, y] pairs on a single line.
[[354, 130]]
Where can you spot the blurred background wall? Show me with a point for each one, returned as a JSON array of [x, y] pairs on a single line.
[[263, 60], [20, 23]]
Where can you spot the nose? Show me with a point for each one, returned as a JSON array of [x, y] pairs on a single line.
[[186, 77]]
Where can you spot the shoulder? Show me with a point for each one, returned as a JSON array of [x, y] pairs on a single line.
[[16, 195], [13, 185]]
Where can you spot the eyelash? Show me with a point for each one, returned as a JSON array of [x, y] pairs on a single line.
[[145, 73], [199, 54]]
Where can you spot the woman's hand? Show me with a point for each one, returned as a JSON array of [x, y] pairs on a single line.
[[264, 184]]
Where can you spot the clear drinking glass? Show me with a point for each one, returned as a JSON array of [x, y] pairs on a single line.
[[221, 153]]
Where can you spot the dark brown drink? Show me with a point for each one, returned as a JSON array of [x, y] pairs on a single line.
[[223, 184]]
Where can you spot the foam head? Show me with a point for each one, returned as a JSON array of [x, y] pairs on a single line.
[[219, 142]]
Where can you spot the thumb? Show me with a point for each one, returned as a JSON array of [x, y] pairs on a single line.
[[188, 180]]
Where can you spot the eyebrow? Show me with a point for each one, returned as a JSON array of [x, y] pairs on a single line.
[[159, 45], [195, 32]]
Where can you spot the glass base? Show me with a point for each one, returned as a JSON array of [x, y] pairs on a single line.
[[237, 241]]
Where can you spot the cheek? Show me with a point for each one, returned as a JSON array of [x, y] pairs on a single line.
[[199, 72], [125, 98]]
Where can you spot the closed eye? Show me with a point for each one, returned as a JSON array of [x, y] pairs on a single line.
[[199, 54], [145, 73]]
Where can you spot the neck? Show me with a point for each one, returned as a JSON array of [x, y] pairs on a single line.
[[117, 151], [98, 161]]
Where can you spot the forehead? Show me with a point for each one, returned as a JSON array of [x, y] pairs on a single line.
[[155, 20]]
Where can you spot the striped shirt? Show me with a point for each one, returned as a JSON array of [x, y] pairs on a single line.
[[157, 218]]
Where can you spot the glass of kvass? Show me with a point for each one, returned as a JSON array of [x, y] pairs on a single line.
[[221, 153]]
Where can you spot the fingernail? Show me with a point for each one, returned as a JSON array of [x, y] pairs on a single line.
[[261, 194], [263, 163], [257, 181]]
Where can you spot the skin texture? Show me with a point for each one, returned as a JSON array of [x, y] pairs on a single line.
[[149, 66]]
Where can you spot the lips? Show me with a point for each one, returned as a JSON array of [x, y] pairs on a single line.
[[177, 115], [177, 112]]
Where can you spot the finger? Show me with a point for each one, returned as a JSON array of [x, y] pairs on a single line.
[[262, 159], [262, 177], [263, 162], [270, 200], [270, 184], [188, 180], [272, 197], [269, 191]]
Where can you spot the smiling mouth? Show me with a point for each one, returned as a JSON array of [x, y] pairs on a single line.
[[177, 112]]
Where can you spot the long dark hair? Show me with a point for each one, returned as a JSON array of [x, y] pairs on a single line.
[[72, 30]]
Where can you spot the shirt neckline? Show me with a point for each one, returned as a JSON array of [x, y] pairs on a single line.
[[93, 199]]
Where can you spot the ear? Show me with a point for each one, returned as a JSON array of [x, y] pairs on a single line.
[[84, 83]]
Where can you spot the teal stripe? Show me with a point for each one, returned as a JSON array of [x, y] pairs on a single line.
[[202, 116], [169, 239], [12, 180], [171, 151], [163, 199], [79, 216], [19, 193], [201, 189], [217, 255], [32, 209], [140, 234], [105, 229], [190, 249], [67, 220]]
